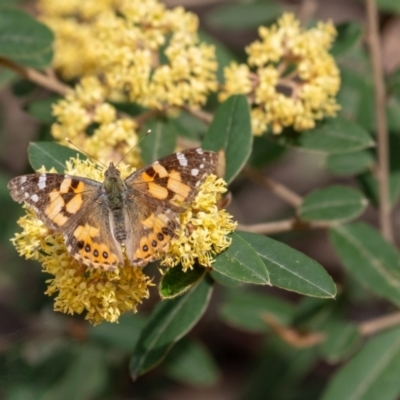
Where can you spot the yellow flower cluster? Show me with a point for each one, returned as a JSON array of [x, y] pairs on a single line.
[[105, 295], [144, 52], [290, 79], [85, 107], [203, 229]]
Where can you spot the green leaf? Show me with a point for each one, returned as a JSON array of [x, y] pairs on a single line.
[[223, 280], [342, 340], [331, 136], [7, 76], [333, 203], [175, 281], [230, 131], [123, 335], [160, 142], [169, 322], [190, 363], [289, 269], [348, 34], [369, 183], [239, 261], [244, 310], [50, 155], [372, 374], [42, 109], [85, 378], [24, 40], [244, 16], [350, 163], [279, 371], [392, 6], [264, 152], [369, 258], [189, 127]]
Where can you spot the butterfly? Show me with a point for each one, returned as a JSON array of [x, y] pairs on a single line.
[[99, 219]]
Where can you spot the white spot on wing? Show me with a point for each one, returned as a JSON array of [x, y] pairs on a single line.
[[182, 159], [42, 182], [195, 172], [34, 197], [23, 179], [200, 151], [26, 195], [201, 166]]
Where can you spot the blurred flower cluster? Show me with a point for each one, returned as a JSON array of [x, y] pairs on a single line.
[[290, 78], [135, 51]]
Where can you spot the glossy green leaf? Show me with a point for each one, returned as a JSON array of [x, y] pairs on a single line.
[[42, 109], [369, 258], [160, 142], [347, 34], [230, 131], [342, 339], [239, 261], [372, 374], [334, 135], [350, 163], [175, 281], [244, 16], [190, 363], [24, 40], [50, 155], [169, 322], [244, 310], [289, 269], [333, 203]]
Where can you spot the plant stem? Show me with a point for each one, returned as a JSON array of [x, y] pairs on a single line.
[[378, 324], [48, 81], [381, 125], [286, 225], [280, 190]]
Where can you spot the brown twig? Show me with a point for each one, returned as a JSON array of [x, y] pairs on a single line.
[[307, 10], [280, 190], [379, 324], [286, 225], [49, 81], [200, 114], [381, 125]]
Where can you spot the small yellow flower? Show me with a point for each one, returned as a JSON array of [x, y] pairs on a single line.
[[290, 79], [112, 138], [203, 230], [144, 52]]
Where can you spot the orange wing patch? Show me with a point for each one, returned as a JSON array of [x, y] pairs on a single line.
[[91, 252]]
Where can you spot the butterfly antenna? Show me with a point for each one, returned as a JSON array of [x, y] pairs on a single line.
[[86, 153], [133, 147]]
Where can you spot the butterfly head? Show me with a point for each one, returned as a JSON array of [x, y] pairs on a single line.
[[113, 182]]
